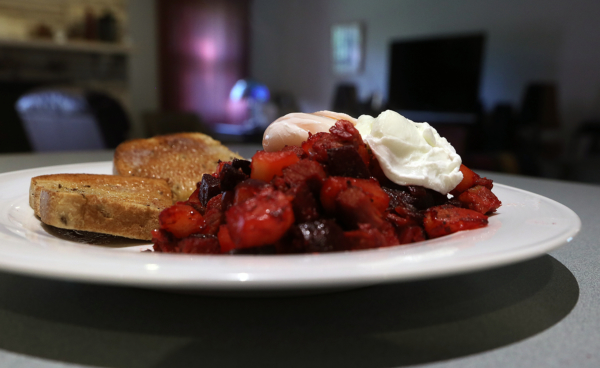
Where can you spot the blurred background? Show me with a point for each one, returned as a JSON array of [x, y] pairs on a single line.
[[513, 84]]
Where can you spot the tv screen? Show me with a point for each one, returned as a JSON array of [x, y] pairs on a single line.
[[437, 74]]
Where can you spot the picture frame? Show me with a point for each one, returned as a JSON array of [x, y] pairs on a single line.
[[347, 45]]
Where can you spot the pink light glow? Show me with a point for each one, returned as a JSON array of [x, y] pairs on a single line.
[[237, 111], [206, 49]]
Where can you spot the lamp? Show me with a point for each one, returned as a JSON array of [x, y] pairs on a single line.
[[247, 109], [249, 89]]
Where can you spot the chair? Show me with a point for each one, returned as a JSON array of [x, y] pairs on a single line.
[[69, 119], [540, 106], [345, 100], [538, 136], [583, 156]]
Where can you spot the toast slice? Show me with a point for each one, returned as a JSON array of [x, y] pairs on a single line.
[[179, 158], [107, 204]]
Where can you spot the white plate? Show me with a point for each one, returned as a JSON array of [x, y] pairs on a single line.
[[527, 225]]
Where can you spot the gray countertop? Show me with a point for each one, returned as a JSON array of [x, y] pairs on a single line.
[[540, 313]]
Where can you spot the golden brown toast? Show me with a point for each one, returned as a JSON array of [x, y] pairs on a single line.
[[179, 158], [108, 204]]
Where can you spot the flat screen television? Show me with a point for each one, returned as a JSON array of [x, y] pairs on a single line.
[[436, 75]]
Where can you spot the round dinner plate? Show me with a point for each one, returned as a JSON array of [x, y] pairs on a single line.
[[527, 225]]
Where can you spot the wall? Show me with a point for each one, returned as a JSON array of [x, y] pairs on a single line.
[[528, 40], [143, 74]]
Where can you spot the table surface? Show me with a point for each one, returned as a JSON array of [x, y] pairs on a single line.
[[540, 313]]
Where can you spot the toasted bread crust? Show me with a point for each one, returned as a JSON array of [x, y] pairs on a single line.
[[76, 211], [116, 205], [180, 158]]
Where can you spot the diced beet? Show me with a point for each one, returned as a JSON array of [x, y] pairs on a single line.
[[423, 198], [407, 228], [279, 183], [353, 206], [401, 204], [161, 236], [348, 134], [480, 199], [199, 244], [408, 213], [398, 197], [248, 189], [410, 234], [343, 133], [243, 165], [225, 241], [214, 215], [364, 238], [266, 165], [263, 249], [296, 149], [317, 236], [209, 187], [194, 200], [220, 166], [376, 195], [227, 200], [345, 161], [164, 242], [304, 204], [261, 220], [389, 233], [485, 182], [305, 171], [377, 173], [455, 202], [181, 220], [417, 196], [332, 186], [230, 177], [398, 221], [316, 146], [446, 219], [195, 196], [438, 198]]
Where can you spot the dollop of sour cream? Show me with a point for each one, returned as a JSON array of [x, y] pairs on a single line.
[[411, 153], [292, 129]]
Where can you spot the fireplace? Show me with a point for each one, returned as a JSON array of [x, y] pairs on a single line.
[[25, 68]]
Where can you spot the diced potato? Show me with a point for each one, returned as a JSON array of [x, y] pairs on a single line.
[[266, 165]]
